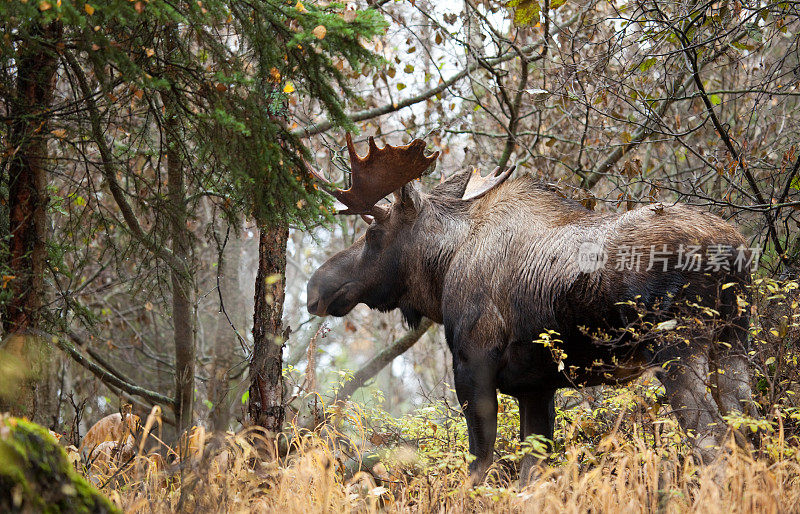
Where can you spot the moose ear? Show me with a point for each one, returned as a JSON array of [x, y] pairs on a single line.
[[454, 186], [408, 197]]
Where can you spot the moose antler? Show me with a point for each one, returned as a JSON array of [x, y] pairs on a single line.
[[380, 172], [479, 185]]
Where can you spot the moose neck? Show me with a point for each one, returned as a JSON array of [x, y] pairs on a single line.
[[440, 229]]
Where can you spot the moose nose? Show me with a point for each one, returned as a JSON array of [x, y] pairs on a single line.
[[312, 305], [313, 297]]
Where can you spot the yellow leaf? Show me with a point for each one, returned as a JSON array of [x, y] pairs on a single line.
[[288, 88], [149, 52], [319, 31], [274, 74], [44, 5], [89, 9], [300, 7], [59, 133]]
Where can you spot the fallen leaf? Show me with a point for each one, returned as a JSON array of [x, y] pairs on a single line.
[[89, 9]]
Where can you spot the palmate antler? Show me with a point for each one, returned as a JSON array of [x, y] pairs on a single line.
[[380, 172], [479, 185]]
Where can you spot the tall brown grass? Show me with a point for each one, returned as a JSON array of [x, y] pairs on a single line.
[[245, 472]]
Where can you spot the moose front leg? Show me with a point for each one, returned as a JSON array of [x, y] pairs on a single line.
[[477, 394]]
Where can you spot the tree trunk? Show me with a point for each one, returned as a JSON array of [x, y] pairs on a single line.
[[27, 196], [182, 279], [27, 204], [182, 295], [266, 379]]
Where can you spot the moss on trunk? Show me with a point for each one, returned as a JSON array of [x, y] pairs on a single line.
[[35, 475]]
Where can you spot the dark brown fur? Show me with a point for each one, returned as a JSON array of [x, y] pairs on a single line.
[[501, 270]]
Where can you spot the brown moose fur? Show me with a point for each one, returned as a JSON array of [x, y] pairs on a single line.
[[500, 270]]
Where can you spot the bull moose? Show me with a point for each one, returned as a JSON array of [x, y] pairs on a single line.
[[498, 262]]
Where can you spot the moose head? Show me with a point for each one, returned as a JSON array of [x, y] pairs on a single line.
[[372, 270]]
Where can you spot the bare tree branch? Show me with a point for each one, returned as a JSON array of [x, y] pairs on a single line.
[[374, 112], [110, 378], [159, 250], [382, 359]]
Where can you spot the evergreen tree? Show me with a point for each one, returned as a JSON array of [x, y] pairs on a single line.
[[198, 89]]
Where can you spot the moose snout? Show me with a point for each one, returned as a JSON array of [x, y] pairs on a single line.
[[327, 297], [313, 297]]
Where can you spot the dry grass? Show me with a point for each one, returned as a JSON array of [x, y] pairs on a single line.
[[623, 474]]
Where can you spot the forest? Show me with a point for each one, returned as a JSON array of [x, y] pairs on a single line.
[[165, 216]]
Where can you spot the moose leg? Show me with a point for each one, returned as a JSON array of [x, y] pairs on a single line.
[[731, 372], [477, 394], [733, 382], [537, 415], [686, 380]]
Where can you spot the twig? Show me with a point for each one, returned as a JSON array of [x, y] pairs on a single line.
[[110, 378], [382, 359]]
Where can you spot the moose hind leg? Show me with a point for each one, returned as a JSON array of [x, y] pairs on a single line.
[[537, 416], [686, 380], [732, 373]]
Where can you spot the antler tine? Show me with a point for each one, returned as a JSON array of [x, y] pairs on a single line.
[[479, 185], [351, 149], [324, 183], [319, 176]]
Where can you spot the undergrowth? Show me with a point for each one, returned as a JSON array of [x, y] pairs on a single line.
[[615, 450]]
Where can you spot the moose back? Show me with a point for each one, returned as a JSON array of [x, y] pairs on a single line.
[[537, 292]]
